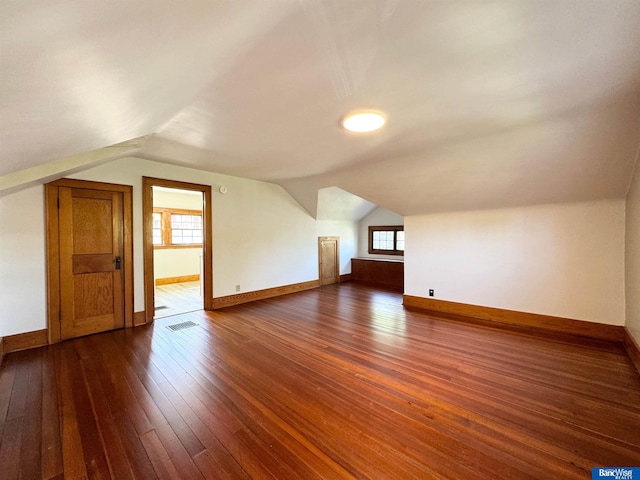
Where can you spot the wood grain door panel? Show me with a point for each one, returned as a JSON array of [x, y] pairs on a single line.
[[92, 263], [329, 254], [91, 288]]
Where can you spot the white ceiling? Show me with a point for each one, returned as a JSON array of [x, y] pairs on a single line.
[[336, 204], [489, 104]]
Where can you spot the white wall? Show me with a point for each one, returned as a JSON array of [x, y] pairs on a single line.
[[262, 238], [348, 232], [632, 258], [563, 260], [176, 262], [380, 216], [177, 199], [560, 260], [22, 262]]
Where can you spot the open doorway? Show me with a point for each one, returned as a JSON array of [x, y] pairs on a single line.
[[177, 247], [177, 251]]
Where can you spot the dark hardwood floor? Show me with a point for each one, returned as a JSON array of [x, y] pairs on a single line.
[[337, 382]]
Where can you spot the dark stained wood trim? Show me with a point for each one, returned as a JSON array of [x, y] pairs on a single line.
[[147, 239], [238, 298], [180, 279], [53, 263], [1, 351], [53, 241], [384, 228], [127, 250], [147, 246], [91, 185], [632, 348], [139, 318], [598, 331], [345, 278], [25, 341], [207, 232]]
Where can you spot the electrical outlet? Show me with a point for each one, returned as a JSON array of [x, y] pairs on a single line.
[[431, 292], [237, 288]]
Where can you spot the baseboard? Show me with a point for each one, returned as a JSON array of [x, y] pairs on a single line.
[[239, 298], [24, 341], [180, 279], [40, 338], [632, 348], [345, 278], [536, 321], [139, 318]]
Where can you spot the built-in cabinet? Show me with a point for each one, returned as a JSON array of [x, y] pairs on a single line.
[[388, 273]]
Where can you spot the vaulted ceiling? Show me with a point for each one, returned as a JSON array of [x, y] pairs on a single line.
[[489, 104]]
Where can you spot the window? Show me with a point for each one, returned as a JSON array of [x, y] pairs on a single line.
[[157, 228], [173, 228], [386, 240], [186, 229]]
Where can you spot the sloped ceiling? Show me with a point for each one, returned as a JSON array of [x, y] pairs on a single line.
[[489, 104], [336, 204]]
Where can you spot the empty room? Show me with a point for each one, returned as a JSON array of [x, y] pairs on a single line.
[[384, 239]]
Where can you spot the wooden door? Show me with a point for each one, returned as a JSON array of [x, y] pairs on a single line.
[[329, 263], [91, 229]]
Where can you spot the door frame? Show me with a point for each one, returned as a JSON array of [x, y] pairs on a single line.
[[147, 240], [52, 218], [337, 259]]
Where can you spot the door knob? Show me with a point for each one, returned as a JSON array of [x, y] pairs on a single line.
[[118, 262]]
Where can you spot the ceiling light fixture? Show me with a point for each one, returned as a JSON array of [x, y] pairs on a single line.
[[363, 121]]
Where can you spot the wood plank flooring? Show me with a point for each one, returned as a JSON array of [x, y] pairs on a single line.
[[175, 298], [337, 382]]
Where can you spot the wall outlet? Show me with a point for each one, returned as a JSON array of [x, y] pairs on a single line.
[[237, 288], [431, 292]]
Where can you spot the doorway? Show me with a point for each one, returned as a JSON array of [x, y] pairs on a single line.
[[177, 247], [177, 251], [329, 260], [89, 258]]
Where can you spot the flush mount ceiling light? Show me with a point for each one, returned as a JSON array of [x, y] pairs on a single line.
[[363, 121]]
